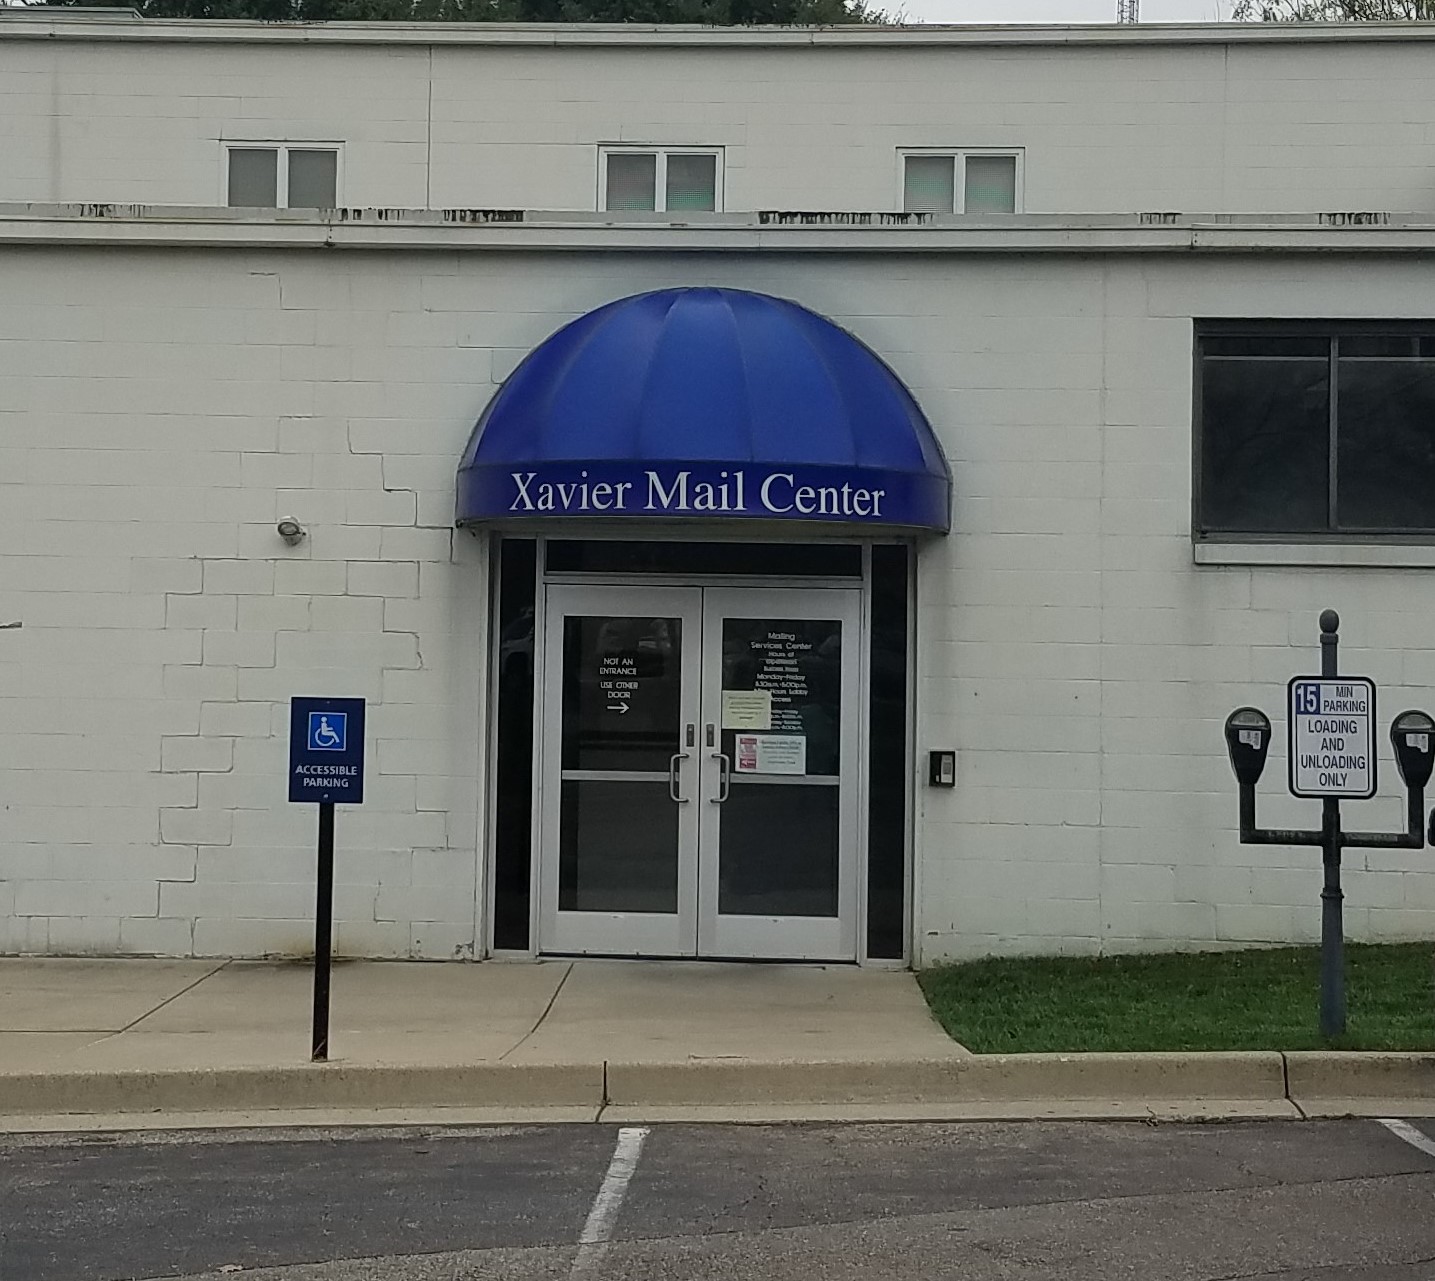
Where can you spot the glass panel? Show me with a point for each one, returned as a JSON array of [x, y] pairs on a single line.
[[513, 782], [990, 186], [927, 184], [779, 851], [313, 179], [632, 181], [253, 177], [1265, 445], [692, 182], [617, 848], [1265, 345], [779, 844], [622, 692], [790, 560], [887, 756], [1380, 345], [794, 666], [1386, 442]]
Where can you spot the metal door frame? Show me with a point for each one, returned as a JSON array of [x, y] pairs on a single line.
[[734, 937], [912, 871], [643, 934]]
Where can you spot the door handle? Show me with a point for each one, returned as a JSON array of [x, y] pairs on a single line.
[[724, 777], [674, 765]]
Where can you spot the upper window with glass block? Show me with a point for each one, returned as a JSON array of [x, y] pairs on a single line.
[[276, 175], [962, 182], [659, 180]]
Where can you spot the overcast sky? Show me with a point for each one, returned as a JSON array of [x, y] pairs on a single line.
[[1055, 10]]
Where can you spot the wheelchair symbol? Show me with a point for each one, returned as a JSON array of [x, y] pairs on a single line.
[[328, 731]]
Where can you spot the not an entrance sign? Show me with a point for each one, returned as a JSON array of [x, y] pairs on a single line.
[[1332, 743]]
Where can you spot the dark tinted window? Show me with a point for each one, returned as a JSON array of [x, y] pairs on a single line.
[[1274, 404], [1265, 345], [887, 756], [1386, 422], [513, 783], [1265, 444], [776, 560]]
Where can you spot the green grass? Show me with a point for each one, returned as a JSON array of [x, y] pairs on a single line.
[[1248, 1000]]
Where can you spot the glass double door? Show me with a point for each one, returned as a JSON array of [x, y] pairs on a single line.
[[699, 779]]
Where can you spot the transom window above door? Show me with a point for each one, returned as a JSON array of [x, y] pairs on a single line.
[[659, 180], [962, 182], [279, 175]]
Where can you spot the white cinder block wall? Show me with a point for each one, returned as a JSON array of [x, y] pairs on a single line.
[[492, 117], [160, 410]]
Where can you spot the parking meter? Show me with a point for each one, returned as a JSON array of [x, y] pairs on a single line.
[[1413, 736], [1248, 738]]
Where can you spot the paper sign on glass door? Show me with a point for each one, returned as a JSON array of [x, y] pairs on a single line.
[[771, 754], [746, 709]]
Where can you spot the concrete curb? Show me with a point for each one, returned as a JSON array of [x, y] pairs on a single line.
[[1255, 1083], [310, 1085], [1256, 1075], [1328, 1074]]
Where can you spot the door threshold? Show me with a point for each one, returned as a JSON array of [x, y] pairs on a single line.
[[696, 960]]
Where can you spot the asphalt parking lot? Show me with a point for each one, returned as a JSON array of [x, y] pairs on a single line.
[[1294, 1201]]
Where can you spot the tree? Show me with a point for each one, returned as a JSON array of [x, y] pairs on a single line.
[[1335, 11], [708, 12]]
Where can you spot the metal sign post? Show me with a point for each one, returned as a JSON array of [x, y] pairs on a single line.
[[326, 766], [1332, 757]]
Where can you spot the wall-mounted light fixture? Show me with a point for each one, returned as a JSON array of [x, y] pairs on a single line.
[[291, 531]]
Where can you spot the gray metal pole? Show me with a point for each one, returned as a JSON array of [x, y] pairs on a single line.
[[1332, 934]]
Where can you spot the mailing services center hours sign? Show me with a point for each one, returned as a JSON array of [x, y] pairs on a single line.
[[1332, 744]]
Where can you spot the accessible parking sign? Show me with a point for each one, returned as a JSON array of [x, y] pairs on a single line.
[[1332, 743], [326, 750]]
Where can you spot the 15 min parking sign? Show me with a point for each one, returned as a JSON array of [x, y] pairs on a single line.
[[1332, 746]]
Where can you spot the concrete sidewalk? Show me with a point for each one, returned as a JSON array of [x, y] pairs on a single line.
[[127, 1015], [92, 1044]]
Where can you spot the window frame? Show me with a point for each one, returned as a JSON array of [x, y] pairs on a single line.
[[1333, 331], [959, 157], [660, 174], [281, 183]]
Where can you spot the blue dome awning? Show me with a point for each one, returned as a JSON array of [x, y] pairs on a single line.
[[705, 404]]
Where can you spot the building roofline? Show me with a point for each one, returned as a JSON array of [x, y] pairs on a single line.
[[122, 25], [112, 227]]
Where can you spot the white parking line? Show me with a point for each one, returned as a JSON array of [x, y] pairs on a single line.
[[597, 1232], [1404, 1130]]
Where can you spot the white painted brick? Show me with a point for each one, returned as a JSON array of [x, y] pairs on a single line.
[[197, 683], [206, 611], [397, 543], [196, 827], [83, 935], [239, 577], [1069, 648], [274, 613], [384, 578], [200, 754], [347, 614], [381, 507], [310, 578], [85, 898], [244, 720], [164, 574], [442, 941], [156, 936], [239, 649]]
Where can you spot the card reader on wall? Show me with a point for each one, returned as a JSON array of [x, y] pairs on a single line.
[[942, 768]]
